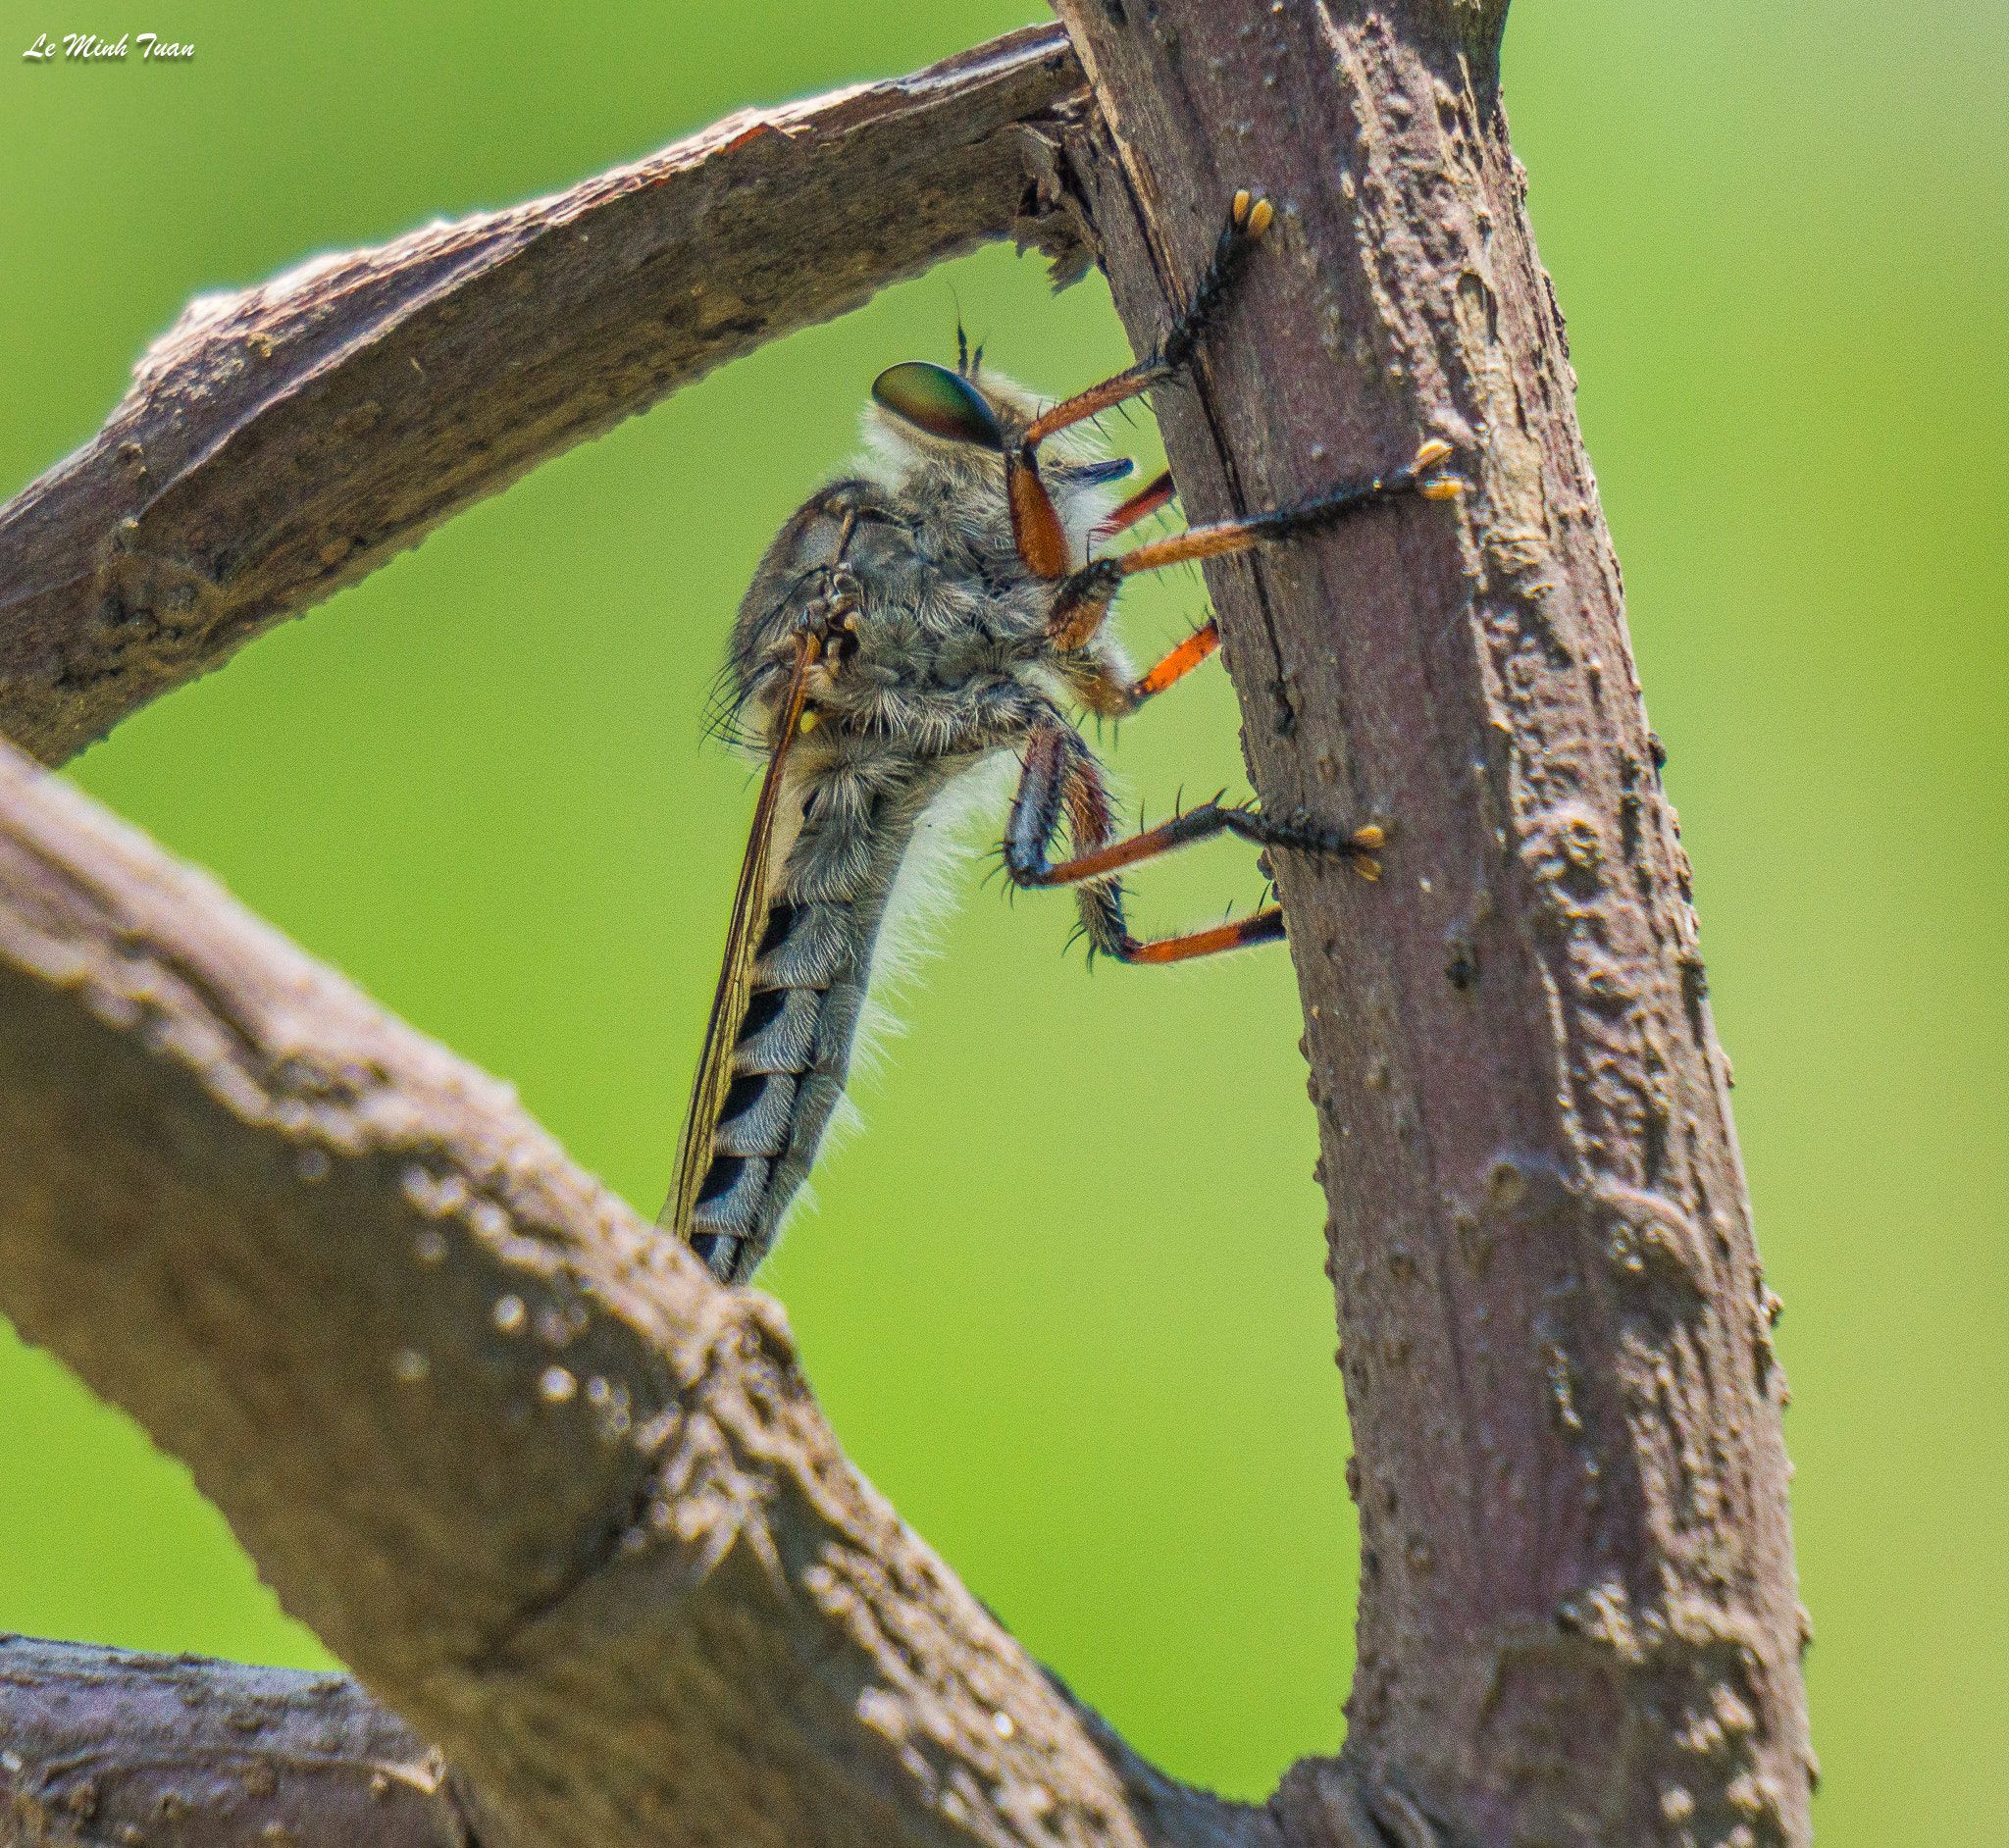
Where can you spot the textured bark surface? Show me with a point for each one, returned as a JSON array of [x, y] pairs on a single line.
[[1577, 1619], [110, 1745], [561, 1502], [286, 442], [571, 1509]]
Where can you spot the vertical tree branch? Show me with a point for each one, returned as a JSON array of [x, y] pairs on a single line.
[[1578, 1618]]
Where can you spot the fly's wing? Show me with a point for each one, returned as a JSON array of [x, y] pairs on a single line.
[[728, 1005]]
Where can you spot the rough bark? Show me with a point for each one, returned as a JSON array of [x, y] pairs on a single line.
[[110, 1745], [1577, 1619], [280, 443], [560, 1500], [572, 1510]]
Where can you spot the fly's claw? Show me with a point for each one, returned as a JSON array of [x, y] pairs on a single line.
[[1301, 835], [1435, 486], [1249, 216]]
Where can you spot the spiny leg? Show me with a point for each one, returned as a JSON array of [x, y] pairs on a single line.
[[1059, 773], [1036, 528], [1194, 824], [1082, 602], [1141, 505], [1088, 678], [1091, 683], [1248, 218]]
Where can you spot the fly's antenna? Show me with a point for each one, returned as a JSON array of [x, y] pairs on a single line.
[[966, 362], [962, 339]]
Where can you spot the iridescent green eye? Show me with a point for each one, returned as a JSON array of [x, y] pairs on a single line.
[[933, 399]]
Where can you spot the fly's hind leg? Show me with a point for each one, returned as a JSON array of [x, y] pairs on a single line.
[[1060, 774]]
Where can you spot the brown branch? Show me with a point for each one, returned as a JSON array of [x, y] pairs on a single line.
[[110, 1745], [1577, 1619], [561, 1502], [571, 1509], [279, 444]]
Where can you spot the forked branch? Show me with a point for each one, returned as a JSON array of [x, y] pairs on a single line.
[[564, 1503], [569, 1508]]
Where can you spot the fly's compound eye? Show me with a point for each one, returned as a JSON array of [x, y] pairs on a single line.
[[933, 399]]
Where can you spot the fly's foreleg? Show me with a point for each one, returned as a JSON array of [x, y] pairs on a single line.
[[1060, 774], [1248, 218], [1035, 527]]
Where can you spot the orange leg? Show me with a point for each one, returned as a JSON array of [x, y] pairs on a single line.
[[1036, 528], [1091, 683], [1059, 773], [1176, 665], [1083, 600], [1196, 824], [1259, 927], [1139, 506]]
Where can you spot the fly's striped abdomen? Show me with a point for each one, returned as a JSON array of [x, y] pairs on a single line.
[[796, 1031], [807, 991]]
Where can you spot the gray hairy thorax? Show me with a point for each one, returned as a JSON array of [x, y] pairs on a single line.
[[946, 664]]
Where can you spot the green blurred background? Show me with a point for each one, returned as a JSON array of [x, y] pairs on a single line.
[[1064, 1300]]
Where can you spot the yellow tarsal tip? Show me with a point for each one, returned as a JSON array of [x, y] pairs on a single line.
[[807, 722], [1444, 487], [1240, 210], [1369, 837], [1367, 869], [1260, 215], [1435, 450]]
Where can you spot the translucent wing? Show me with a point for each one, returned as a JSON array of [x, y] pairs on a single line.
[[742, 938]]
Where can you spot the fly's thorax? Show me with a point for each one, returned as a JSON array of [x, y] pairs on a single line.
[[799, 578], [940, 609]]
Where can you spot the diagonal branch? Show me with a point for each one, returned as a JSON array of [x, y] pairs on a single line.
[[283, 442], [571, 1509], [564, 1503]]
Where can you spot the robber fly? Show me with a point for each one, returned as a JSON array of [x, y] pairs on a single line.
[[905, 625]]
